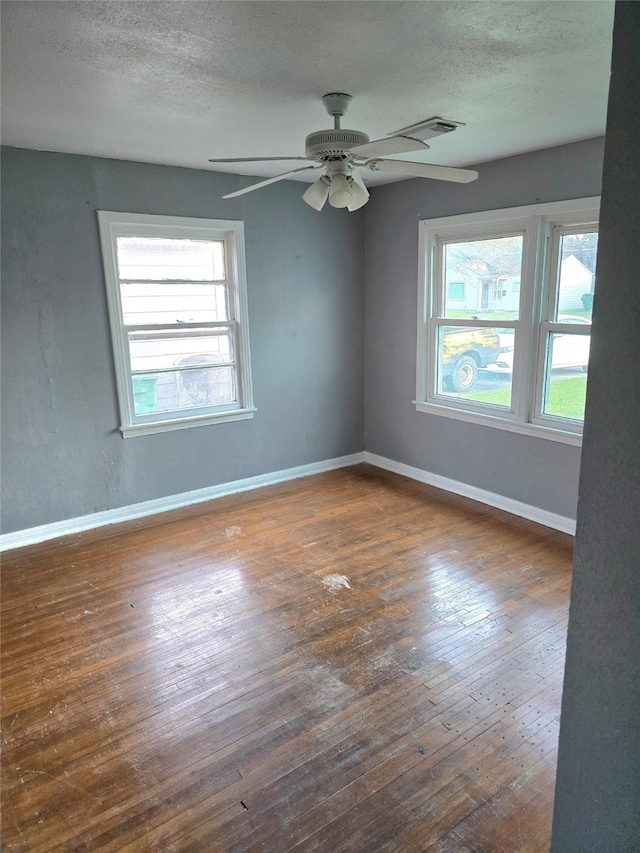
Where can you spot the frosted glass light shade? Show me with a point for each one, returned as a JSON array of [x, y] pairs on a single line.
[[340, 194], [317, 193]]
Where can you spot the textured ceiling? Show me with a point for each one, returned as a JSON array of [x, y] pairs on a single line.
[[178, 82]]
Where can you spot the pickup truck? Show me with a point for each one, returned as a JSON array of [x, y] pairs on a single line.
[[463, 352]]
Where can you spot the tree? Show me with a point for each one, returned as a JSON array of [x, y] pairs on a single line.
[[583, 246], [488, 259]]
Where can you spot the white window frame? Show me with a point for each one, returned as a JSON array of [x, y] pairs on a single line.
[[113, 225], [541, 226]]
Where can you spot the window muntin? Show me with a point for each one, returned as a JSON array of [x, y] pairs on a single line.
[[177, 301], [538, 268]]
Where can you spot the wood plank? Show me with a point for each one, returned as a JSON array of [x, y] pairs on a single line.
[[189, 683]]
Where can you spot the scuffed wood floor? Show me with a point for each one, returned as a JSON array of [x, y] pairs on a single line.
[[189, 683]]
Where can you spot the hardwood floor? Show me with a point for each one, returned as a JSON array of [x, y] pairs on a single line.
[[197, 682]]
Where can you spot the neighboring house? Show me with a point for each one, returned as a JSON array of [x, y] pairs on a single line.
[[464, 289], [470, 291], [575, 281]]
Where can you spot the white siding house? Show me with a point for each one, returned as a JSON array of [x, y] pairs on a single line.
[[575, 280], [468, 291]]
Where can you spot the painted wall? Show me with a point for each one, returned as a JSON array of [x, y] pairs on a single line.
[[597, 805], [62, 453], [536, 471]]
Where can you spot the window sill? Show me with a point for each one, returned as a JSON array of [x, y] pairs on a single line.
[[186, 423], [534, 430]]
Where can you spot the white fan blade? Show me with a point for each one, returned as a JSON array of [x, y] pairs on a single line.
[[389, 146], [360, 192], [253, 159], [318, 193], [423, 170], [270, 181]]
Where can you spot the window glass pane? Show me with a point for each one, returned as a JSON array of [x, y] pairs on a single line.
[[566, 375], [163, 258], [482, 278], [162, 350], [576, 277], [157, 302], [475, 364], [184, 389]]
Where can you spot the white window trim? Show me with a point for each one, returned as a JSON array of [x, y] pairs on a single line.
[[536, 223], [114, 224]]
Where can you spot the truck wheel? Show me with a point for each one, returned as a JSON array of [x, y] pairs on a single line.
[[464, 375]]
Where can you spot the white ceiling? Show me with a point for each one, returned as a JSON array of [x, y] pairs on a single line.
[[179, 82]]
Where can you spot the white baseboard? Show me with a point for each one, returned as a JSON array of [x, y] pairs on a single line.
[[532, 513], [44, 532]]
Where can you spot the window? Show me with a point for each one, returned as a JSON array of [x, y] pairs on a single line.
[[456, 290], [178, 309], [515, 353]]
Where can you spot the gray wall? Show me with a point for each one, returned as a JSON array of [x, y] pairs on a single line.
[[537, 471], [62, 453], [597, 806]]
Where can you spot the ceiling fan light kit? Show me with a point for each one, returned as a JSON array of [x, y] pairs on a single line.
[[359, 191], [340, 152], [318, 193], [340, 192]]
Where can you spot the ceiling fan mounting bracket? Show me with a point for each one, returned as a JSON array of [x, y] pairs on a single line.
[[336, 103]]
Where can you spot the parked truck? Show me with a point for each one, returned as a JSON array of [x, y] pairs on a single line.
[[464, 351]]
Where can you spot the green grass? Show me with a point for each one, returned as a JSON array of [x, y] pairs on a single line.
[[566, 397]]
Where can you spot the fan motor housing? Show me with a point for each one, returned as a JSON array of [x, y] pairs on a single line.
[[323, 144]]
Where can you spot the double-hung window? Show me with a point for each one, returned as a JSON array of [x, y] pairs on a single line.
[[504, 317], [178, 310]]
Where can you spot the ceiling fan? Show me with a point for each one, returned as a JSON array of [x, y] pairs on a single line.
[[340, 152]]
